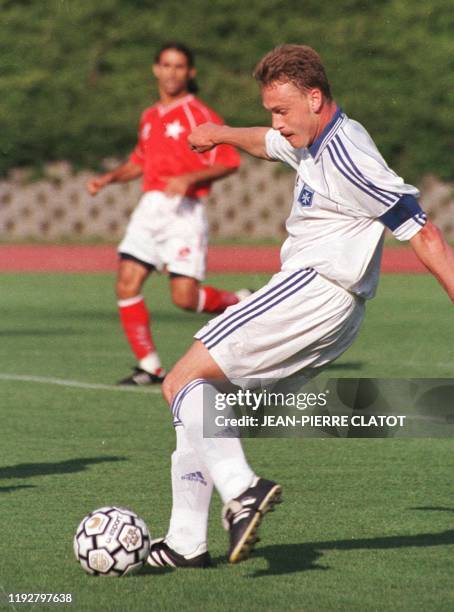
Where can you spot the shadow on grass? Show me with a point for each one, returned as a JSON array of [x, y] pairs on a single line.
[[147, 570], [38, 332], [433, 508], [110, 315], [29, 470], [345, 365], [14, 488], [292, 558]]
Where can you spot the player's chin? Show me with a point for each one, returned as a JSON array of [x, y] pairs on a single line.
[[174, 89], [295, 141]]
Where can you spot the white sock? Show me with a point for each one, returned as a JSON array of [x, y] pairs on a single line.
[[223, 457], [191, 496], [201, 301], [151, 363]]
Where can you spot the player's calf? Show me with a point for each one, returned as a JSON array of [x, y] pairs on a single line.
[[215, 301]]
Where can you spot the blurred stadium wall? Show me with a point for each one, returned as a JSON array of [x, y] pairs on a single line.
[[75, 76], [252, 204]]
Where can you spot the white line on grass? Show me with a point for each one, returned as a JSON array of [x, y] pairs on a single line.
[[78, 384]]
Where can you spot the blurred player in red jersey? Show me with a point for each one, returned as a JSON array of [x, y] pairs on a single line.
[[169, 227]]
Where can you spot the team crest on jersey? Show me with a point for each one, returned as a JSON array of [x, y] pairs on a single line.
[[174, 129], [306, 195]]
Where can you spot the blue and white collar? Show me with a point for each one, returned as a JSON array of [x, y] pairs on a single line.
[[320, 143]]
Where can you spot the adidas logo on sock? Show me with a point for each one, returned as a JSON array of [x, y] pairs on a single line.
[[195, 477]]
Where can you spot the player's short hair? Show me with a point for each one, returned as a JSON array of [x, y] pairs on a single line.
[[297, 64], [186, 51]]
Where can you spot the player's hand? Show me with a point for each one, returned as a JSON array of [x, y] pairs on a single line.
[[202, 138], [95, 185], [176, 185]]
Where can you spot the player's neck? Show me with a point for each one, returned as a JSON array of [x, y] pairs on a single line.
[[326, 114], [166, 99]]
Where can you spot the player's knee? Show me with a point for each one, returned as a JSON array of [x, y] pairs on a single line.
[[169, 388], [126, 288]]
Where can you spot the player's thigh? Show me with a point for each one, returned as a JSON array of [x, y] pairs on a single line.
[[142, 232], [184, 291], [195, 363]]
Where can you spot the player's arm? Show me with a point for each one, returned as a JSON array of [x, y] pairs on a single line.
[[252, 140], [436, 254], [179, 185], [123, 173]]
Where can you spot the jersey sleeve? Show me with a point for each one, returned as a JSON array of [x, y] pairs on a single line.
[[279, 149], [137, 156], [376, 190]]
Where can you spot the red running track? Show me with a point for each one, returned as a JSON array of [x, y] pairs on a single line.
[[77, 258]]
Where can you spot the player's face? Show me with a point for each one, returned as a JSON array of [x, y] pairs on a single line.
[[294, 112], [173, 73]]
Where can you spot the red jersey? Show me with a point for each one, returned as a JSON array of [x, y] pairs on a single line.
[[163, 149]]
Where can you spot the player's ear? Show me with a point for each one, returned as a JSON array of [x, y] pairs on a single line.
[[315, 100], [155, 69], [192, 73]]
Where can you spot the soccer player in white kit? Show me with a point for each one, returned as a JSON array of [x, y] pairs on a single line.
[[309, 313]]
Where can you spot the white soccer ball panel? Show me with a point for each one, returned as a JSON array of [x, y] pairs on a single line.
[[143, 527], [85, 566], [109, 539], [85, 544], [130, 538], [125, 517], [96, 524], [100, 561], [145, 550], [123, 559], [76, 547]]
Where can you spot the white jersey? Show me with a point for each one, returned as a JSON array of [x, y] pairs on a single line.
[[344, 197]]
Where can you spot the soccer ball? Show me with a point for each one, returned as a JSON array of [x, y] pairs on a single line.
[[112, 541]]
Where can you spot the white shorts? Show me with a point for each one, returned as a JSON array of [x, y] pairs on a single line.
[[169, 232], [298, 321]]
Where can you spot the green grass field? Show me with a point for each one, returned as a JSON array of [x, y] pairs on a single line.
[[365, 525]]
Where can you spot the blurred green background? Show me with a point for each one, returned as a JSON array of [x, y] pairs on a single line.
[[75, 75]]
